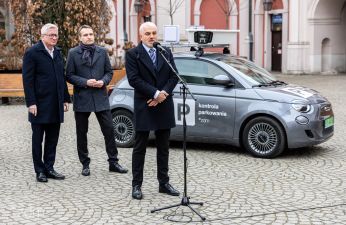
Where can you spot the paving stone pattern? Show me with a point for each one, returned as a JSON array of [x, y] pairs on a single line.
[[304, 186]]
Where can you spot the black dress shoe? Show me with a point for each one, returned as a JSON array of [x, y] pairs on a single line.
[[55, 175], [168, 189], [86, 171], [41, 177], [137, 192], [115, 167]]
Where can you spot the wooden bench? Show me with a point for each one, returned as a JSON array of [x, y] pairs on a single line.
[[117, 75], [11, 85]]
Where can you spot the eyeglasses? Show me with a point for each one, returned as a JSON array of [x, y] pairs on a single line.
[[52, 35]]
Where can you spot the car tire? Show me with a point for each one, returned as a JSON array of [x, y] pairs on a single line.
[[124, 129], [264, 137]]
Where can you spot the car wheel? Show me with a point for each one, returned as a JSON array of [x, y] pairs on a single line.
[[124, 129], [264, 137]]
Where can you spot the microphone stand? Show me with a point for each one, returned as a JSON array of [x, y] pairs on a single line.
[[185, 201]]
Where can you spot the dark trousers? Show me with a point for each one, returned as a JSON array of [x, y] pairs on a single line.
[[162, 155], [51, 136], [82, 123]]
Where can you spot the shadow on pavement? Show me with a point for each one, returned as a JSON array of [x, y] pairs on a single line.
[[306, 152]]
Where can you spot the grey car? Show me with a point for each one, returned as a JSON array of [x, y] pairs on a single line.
[[238, 103]]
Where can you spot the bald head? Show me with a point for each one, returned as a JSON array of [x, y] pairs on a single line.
[[148, 33]]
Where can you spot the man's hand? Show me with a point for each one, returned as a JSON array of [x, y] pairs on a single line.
[[33, 109], [161, 97], [91, 82], [95, 83], [99, 84], [165, 93], [152, 102], [65, 106]]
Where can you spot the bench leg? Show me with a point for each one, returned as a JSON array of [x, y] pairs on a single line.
[[5, 100]]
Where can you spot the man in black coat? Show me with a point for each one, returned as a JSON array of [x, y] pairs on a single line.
[[47, 98], [153, 81], [89, 70]]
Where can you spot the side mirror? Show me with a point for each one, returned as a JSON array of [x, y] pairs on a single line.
[[220, 80]]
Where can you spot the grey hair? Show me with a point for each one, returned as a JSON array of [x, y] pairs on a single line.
[[47, 27], [146, 24]]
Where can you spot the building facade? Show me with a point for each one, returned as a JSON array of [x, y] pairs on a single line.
[[294, 36]]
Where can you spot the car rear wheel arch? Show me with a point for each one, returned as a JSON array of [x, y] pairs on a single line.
[[124, 129], [272, 122]]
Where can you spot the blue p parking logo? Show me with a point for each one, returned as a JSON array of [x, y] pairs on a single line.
[[189, 112]]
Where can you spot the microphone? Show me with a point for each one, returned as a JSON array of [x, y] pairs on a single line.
[[158, 46]]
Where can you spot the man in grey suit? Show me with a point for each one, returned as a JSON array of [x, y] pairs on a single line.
[[89, 70]]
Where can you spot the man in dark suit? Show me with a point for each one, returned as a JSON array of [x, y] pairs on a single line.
[[153, 81], [89, 70], [47, 97]]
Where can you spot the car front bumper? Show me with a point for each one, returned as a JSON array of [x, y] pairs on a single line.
[[317, 130]]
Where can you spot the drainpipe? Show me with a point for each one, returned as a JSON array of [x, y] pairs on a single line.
[[124, 21], [250, 32]]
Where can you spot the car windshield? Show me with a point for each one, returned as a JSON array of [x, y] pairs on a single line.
[[256, 75]]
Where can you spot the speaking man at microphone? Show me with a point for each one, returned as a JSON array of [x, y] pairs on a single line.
[[153, 82]]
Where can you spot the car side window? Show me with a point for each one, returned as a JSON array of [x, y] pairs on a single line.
[[196, 70]]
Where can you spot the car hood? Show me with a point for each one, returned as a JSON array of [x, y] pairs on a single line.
[[288, 93], [123, 84]]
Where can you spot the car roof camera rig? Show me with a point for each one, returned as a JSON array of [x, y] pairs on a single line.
[[199, 52], [203, 37]]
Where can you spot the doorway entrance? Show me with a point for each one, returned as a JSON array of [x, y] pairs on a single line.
[[276, 50], [276, 28]]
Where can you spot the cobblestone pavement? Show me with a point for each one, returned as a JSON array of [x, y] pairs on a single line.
[[304, 186]]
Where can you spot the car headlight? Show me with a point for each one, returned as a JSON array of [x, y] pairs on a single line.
[[301, 106]]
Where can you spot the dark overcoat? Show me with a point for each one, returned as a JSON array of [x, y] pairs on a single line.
[[44, 84], [79, 70], [146, 80]]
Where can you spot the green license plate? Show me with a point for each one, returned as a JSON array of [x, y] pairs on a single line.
[[329, 122]]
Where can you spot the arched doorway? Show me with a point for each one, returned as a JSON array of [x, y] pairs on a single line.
[[146, 13], [215, 7], [217, 14], [328, 25], [326, 57]]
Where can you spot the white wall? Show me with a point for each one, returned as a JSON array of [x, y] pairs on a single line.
[[163, 17], [112, 24], [298, 47], [244, 28]]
